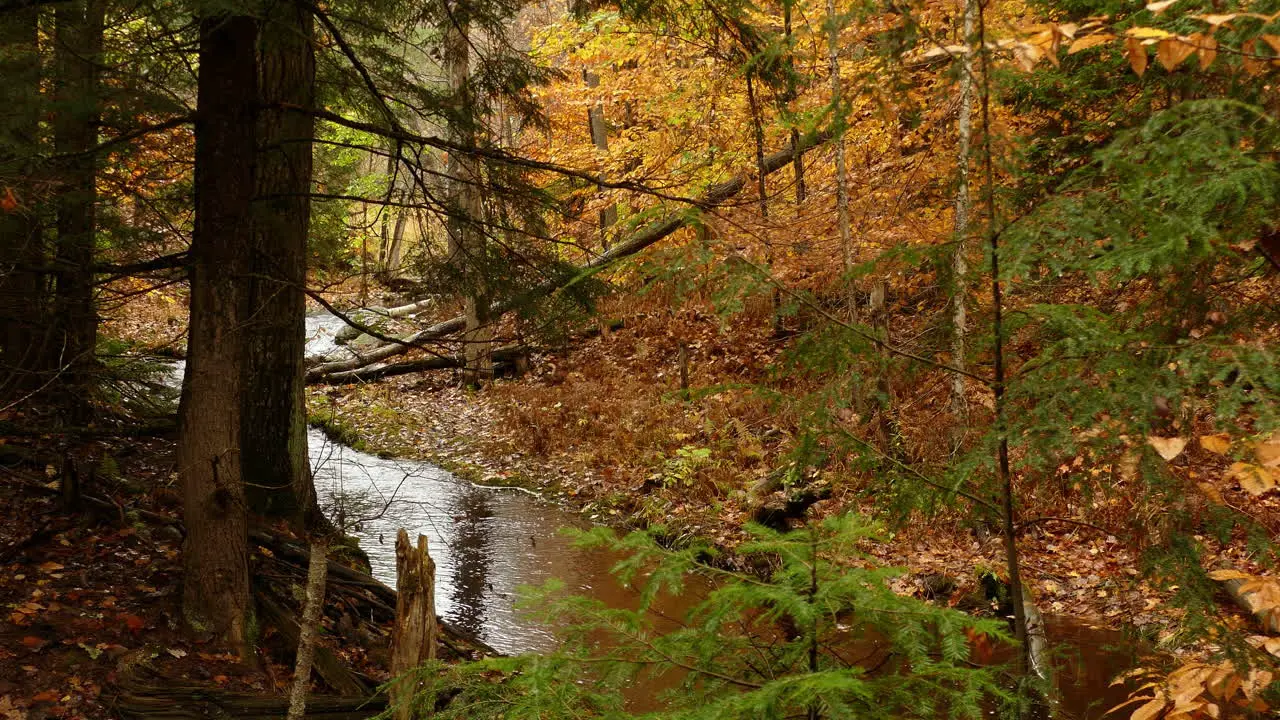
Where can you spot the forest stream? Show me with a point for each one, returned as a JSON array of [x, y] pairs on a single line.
[[487, 542]]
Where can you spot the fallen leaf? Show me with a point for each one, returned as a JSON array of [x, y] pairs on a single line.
[[1253, 479], [1212, 493], [1268, 451], [31, 642], [1207, 46], [1147, 33], [1218, 444], [1159, 7], [1167, 448]]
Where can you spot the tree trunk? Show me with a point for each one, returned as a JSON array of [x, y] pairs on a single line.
[[959, 262], [396, 252], [842, 169], [277, 471], [385, 232], [762, 187], [466, 240], [600, 138], [413, 641], [77, 47], [317, 569], [797, 159], [215, 557], [21, 286]]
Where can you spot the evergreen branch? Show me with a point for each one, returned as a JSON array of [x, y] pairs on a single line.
[[988, 504], [374, 93], [870, 337]]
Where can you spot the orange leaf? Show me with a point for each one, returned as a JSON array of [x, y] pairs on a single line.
[[48, 696], [133, 622], [1150, 710], [1137, 55], [1172, 51], [1249, 60], [1207, 46], [1219, 444], [9, 202], [1089, 41], [31, 642]]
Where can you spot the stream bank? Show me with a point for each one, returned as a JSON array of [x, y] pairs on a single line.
[[489, 541]]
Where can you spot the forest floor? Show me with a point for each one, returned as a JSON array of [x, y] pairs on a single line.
[[601, 425], [92, 595]]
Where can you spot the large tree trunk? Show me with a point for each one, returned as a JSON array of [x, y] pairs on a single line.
[[216, 570], [277, 471], [21, 284], [466, 239], [77, 48], [797, 159]]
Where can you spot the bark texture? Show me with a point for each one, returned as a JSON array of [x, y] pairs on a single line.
[[842, 169], [77, 49], [466, 238], [317, 570], [274, 457], [216, 571], [413, 640], [22, 311], [959, 259]]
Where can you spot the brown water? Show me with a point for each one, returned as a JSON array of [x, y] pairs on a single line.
[[488, 542]]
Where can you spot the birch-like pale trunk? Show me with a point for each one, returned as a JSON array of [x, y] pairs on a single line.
[[842, 169], [600, 139], [959, 262], [317, 572]]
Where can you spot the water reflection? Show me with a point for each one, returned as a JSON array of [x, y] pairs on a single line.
[[472, 550]]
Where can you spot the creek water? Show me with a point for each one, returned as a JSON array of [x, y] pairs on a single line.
[[487, 542]]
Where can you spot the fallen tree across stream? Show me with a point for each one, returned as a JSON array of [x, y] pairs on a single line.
[[503, 357], [641, 239]]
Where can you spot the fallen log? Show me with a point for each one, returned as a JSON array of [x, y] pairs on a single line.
[[500, 356], [1257, 595], [351, 332], [461, 642], [328, 665], [640, 240], [169, 701]]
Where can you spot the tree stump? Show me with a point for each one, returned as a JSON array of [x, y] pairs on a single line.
[[413, 641]]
